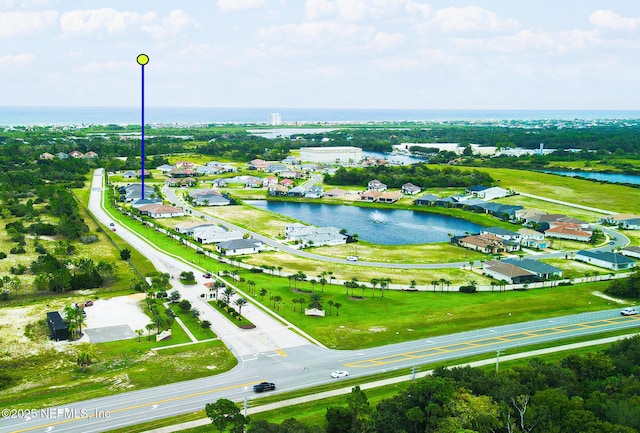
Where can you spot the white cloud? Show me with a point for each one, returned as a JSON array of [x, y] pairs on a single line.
[[609, 20], [111, 67], [470, 19], [23, 23], [528, 41], [316, 34], [90, 21], [418, 9], [20, 60], [353, 10], [240, 5], [383, 41], [175, 23]]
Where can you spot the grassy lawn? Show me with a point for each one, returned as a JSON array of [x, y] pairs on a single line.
[[242, 323], [193, 324], [400, 316], [53, 378]]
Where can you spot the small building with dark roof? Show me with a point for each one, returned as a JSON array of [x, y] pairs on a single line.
[[605, 259], [57, 327]]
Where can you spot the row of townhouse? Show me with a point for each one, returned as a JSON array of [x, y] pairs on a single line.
[[73, 154]]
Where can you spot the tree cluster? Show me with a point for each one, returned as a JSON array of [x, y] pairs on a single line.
[[592, 393], [418, 174], [628, 288]]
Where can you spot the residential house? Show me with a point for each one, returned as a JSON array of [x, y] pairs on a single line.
[[426, 200], [507, 272], [212, 234], [209, 197], [184, 165], [376, 185], [410, 189], [238, 247], [129, 174], [291, 160], [277, 190], [165, 168], [624, 221], [542, 270], [183, 172], [297, 191], [62, 155], [220, 182], [138, 203], [389, 197], [276, 168], [492, 193], [269, 181], [90, 155], [288, 183], [504, 234], [605, 259], [76, 154], [568, 231], [188, 227], [631, 252], [475, 189], [314, 236], [187, 182], [161, 211], [335, 193], [147, 173], [487, 243], [46, 155], [133, 192], [291, 174], [258, 164], [252, 182], [315, 191], [532, 239], [370, 195], [524, 214]]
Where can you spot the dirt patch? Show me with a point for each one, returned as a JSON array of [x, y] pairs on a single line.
[[378, 329], [609, 298]]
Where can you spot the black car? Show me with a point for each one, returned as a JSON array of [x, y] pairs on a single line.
[[264, 386]]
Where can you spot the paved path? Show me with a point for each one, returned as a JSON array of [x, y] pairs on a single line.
[[566, 203]]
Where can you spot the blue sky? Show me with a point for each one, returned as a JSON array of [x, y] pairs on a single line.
[[466, 54]]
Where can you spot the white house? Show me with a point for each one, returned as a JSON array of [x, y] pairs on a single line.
[[213, 234], [492, 193], [161, 211], [605, 259], [239, 246], [316, 236]]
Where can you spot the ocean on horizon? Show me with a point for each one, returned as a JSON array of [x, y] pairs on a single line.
[[44, 116]]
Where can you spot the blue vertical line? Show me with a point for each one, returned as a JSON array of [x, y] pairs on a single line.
[[142, 174]]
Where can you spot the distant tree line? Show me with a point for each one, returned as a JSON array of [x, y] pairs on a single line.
[[591, 393], [418, 174], [628, 288]]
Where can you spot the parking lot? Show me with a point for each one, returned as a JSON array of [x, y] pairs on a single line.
[[115, 319]]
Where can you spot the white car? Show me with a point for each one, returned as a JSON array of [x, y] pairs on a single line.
[[339, 373], [630, 311], [352, 258]]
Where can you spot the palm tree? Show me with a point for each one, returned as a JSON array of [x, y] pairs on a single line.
[[150, 326], [412, 285], [252, 284], [227, 294], [139, 332], [337, 305], [83, 360], [263, 293], [279, 271], [434, 283], [295, 301], [330, 273], [276, 300], [442, 283], [315, 301], [240, 302], [302, 301], [374, 283], [330, 302], [493, 286], [384, 285]]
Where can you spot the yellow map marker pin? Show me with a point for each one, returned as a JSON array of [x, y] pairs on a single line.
[[142, 59]]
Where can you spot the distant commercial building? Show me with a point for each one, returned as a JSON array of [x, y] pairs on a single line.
[[274, 119], [339, 155]]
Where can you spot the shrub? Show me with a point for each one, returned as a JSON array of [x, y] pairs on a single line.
[[256, 270], [205, 324], [18, 250], [471, 288], [3, 255], [88, 239], [41, 250], [184, 305]]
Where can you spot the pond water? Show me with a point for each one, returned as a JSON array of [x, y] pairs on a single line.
[[378, 226], [608, 177]]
